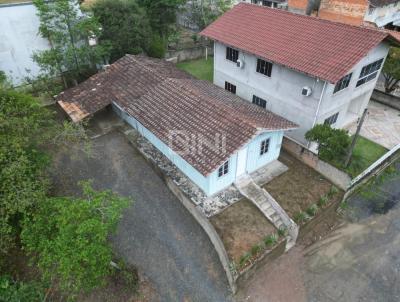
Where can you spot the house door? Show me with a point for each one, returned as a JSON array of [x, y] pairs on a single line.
[[241, 162]]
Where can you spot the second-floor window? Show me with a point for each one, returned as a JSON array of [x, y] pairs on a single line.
[[224, 169], [259, 101], [269, 3], [343, 83], [230, 87], [264, 67], [232, 54], [264, 146], [332, 119], [369, 72]]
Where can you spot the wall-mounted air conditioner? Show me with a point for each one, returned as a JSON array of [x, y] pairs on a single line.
[[306, 91], [239, 63]]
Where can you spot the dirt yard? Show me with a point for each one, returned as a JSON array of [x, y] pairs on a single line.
[[299, 187], [240, 227]]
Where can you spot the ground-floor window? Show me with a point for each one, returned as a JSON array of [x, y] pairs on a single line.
[[230, 87], [224, 169], [264, 146], [332, 119], [259, 101]]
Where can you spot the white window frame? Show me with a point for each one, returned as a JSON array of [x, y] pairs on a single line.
[[265, 146], [223, 169]]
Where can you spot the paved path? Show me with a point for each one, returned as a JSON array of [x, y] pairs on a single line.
[[156, 234], [382, 125], [358, 262]]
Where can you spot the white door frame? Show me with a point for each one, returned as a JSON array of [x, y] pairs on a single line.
[[241, 164]]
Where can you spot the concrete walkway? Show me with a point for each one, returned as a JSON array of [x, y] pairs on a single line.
[[156, 234], [382, 125]]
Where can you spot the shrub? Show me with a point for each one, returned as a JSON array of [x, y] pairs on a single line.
[[282, 232], [271, 240], [157, 47], [69, 238], [244, 259], [332, 191], [256, 249], [312, 210], [332, 143], [301, 217], [323, 200], [11, 290]]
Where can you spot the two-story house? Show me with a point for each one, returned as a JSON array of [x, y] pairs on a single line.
[[306, 69]]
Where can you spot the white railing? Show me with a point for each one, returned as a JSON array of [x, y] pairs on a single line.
[[375, 165]]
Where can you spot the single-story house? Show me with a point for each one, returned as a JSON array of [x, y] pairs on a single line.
[[213, 136]]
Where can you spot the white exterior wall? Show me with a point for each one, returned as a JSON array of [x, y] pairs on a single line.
[[351, 98], [19, 38], [282, 90]]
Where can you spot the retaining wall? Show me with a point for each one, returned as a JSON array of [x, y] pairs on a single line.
[[386, 99], [189, 53], [336, 176], [266, 259]]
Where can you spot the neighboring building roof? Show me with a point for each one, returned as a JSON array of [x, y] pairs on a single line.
[[320, 48], [164, 99], [380, 3]]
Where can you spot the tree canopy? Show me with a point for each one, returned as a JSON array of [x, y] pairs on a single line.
[[125, 26], [69, 237], [391, 70], [24, 126], [68, 30], [332, 143], [205, 12]]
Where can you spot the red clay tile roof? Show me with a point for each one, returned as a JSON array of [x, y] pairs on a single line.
[[164, 99], [320, 48]]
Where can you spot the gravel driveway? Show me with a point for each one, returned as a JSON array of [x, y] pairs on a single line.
[[156, 234]]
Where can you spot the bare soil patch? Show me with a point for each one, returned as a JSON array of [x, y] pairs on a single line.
[[299, 187], [240, 227]]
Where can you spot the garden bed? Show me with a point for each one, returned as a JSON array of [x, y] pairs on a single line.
[[241, 226], [301, 191]]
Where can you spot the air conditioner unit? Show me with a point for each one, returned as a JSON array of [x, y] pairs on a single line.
[[239, 63], [306, 91]]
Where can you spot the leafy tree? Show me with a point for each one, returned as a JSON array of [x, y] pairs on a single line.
[[391, 70], [69, 237], [24, 125], [13, 291], [162, 15], [204, 12], [125, 26], [25, 128], [68, 30], [158, 47], [332, 143]]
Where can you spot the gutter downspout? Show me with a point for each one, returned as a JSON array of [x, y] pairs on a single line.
[[317, 111]]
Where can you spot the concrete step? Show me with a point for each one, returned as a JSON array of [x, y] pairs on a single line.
[[270, 212]]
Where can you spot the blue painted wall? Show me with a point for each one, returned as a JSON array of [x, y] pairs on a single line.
[[254, 159], [212, 183]]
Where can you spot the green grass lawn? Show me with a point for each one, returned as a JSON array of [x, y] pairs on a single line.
[[201, 68], [365, 153]]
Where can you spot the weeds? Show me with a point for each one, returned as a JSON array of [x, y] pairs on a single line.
[[244, 259], [312, 210], [255, 249], [323, 200], [282, 232], [271, 240], [301, 217]]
